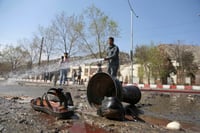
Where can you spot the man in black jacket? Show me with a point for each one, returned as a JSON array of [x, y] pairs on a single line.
[[112, 57]]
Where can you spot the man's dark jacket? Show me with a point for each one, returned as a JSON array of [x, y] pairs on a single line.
[[113, 55]]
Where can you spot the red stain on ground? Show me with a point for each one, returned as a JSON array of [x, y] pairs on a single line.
[[85, 128]]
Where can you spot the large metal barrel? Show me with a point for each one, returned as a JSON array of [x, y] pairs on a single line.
[[102, 84], [131, 94]]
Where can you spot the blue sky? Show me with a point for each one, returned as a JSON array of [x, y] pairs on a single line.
[[159, 21]]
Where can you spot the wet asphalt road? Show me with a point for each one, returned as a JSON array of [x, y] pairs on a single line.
[[170, 106], [182, 107], [12, 88]]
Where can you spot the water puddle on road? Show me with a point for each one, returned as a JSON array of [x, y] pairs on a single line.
[[162, 108], [163, 122], [79, 127]]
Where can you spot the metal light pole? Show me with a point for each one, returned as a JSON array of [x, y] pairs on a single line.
[[132, 46], [131, 52]]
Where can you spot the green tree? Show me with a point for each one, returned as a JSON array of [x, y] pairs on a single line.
[[155, 62], [188, 68], [141, 56], [185, 60], [188, 62]]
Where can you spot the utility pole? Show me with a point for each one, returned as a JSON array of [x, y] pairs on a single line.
[[131, 51], [132, 46], [41, 47]]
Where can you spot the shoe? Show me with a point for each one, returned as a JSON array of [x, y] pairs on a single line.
[[52, 107]]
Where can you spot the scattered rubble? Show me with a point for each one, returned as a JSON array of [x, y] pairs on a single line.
[[18, 116]]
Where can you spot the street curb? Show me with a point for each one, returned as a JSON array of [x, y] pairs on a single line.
[[143, 87], [172, 91], [168, 88]]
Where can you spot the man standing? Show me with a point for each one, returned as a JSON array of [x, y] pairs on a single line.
[[79, 75], [64, 69], [66, 61], [112, 57]]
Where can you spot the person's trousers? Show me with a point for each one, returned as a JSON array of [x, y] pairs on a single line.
[[112, 70], [63, 74]]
